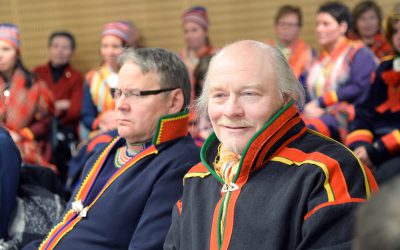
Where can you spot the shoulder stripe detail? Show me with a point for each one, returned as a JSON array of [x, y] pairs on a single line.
[[327, 204], [335, 183], [192, 175], [369, 181], [198, 168], [327, 185], [359, 135]]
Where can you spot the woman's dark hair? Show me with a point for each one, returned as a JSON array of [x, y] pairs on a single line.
[[391, 21], [200, 73], [65, 34], [363, 7], [29, 77], [338, 11]]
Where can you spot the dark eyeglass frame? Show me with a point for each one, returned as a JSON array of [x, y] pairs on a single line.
[[143, 92]]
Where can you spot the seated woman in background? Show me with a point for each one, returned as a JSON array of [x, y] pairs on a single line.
[[341, 76], [26, 104], [98, 105], [66, 84], [375, 136], [367, 19], [197, 41]]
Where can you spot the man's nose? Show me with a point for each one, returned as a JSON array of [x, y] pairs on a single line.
[[233, 107]]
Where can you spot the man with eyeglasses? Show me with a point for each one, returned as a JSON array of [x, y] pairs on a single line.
[[265, 181], [129, 188], [288, 23]]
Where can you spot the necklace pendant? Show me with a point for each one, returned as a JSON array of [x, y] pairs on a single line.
[[396, 64], [229, 187]]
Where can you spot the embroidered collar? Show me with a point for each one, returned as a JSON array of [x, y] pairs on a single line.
[[283, 128], [171, 127]]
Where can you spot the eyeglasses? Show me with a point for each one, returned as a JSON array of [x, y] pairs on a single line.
[[288, 24], [135, 94]]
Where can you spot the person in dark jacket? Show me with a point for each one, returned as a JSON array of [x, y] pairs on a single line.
[[129, 187], [10, 164], [265, 181]]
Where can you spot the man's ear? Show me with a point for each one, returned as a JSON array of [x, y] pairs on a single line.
[[176, 101], [343, 26], [286, 99]]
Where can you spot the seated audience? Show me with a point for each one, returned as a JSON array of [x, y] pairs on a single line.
[[375, 136]]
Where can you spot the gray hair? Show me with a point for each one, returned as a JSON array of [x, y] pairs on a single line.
[[171, 71], [378, 220], [288, 84]]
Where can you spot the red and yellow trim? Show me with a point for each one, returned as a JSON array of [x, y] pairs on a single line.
[[392, 141], [369, 181], [97, 140], [332, 203], [214, 241], [319, 125], [198, 170], [268, 137], [71, 218], [27, 134], [330, 98], [335, 182], [171, 127], [362, 135]]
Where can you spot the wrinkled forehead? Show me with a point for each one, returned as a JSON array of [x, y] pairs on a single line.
[[241, 68]]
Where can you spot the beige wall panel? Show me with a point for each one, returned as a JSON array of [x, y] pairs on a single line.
[[159, 21]]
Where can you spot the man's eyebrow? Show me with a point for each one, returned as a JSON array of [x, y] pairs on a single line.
[[216, 88], [257, 85]]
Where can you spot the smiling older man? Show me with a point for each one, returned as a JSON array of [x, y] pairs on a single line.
[[265, 180], [126, 199]]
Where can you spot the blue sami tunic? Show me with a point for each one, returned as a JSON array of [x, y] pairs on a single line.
[[133, 209], [10, 163]]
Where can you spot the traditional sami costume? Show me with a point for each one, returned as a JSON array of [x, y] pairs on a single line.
[[294, 189], [128, 205], [338, 80]]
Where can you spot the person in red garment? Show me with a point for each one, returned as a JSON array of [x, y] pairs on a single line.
[[66, 84], [26, 103]]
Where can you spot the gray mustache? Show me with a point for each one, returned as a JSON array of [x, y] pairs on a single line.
[[234, 123]]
